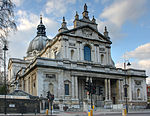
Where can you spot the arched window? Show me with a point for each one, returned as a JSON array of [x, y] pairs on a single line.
[[72, 54], [87, 53], [138, 93], [102, 59]]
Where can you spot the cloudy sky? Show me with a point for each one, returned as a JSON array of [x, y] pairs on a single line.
[[128, 23]]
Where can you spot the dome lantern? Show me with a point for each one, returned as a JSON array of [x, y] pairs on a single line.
[[41, 28]]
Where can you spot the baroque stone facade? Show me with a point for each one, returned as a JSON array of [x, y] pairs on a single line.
[[66, 62]]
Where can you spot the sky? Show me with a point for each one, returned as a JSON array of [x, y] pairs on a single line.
[[127, 21]]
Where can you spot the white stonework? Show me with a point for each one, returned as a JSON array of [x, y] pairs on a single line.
[[71, 57]]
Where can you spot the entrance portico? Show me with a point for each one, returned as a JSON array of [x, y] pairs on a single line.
[[109, 87]]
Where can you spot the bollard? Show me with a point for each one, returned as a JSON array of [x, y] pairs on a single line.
[[124, 112], [91, 112], [93, 107], [46, 111]]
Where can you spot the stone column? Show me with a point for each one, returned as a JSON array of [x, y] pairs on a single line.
[[73, 87], [87, 96], [106, 93], [119, 89], [130, 89], [76, 87], [109, 90], [122, 91]]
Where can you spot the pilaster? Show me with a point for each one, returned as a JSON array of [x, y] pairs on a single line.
[[73, 87], [109, 88], [106, 93], [145, 90], [95, 56], [81, 51], [60, 90], [78, 50], [67, 49], [98, 55], [76, 87]]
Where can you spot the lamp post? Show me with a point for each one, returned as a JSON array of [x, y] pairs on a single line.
[[5, 49], [126, 85]]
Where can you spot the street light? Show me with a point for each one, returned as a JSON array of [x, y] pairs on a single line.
[[5, 49], [126, 85]]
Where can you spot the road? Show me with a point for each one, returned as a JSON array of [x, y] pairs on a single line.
[[133, 114], [74, 114]]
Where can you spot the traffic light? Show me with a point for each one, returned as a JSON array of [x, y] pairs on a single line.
[[125, 92], [88, 86], [100, 90], [52, 97], [48, 95], [93, 89]]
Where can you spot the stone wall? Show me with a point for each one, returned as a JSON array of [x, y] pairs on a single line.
[[20, 105]]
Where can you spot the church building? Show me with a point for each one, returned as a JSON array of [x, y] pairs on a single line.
[[63, 65]]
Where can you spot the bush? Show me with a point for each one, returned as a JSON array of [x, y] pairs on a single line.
[[2, 90]]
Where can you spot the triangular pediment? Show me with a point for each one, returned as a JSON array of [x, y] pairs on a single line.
[[87, 32]]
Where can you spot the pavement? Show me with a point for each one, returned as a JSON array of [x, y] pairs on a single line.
[[95, 113]]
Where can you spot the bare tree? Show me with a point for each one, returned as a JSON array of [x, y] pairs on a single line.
[[7, 22]]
